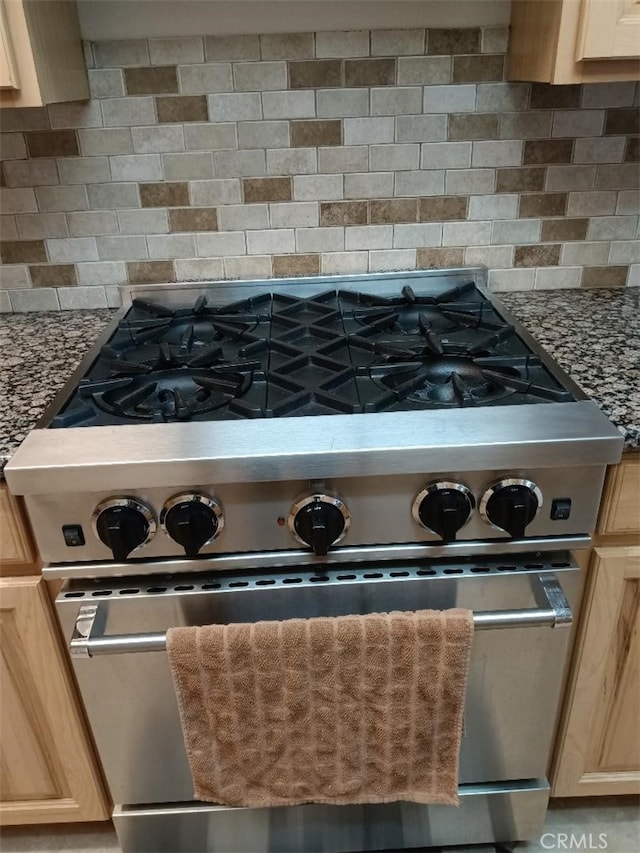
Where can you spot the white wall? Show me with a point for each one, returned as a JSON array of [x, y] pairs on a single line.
[[120, 19]]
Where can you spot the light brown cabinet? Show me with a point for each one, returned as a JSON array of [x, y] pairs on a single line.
[[598, 749], [17, 554], [41, 54], [574, 41]]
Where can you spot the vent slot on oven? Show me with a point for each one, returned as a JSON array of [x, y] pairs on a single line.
[[238, 582]]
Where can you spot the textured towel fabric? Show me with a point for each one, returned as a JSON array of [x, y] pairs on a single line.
[[351, 709]]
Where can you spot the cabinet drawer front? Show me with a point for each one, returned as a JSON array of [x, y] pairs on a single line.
[[621, 505]]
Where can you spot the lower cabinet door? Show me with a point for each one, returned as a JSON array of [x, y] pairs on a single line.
[[599, 745], [48, 773]]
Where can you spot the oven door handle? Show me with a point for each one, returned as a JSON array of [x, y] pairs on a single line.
[[89, 640]]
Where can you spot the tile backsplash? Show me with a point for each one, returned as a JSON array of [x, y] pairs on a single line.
[[277, 155]]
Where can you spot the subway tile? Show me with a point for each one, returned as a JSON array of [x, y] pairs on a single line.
[[543, 204], [494, 257], [350, 158], [288, 105], [445, 155], [169, 246], [128, 112], [344, 263], [369, 237], [555, 278], [342, 103], [497, 206], [421, 128], [210, 137], [343, 213], [87, 49], [502, 97], [13, 146], [502, 281], [192, 219], [84, 170], [52, 199], [294, 215], [101, 273], [319, 239], [591, 203], [453, 41], [68, 250], [342, 44], [392, 101], [30, 173], [439, 257], [616, 94], [471, 181], [449, 99], [23, 252], [174, 51], [625, 176], [256, 267], [235, 106], [287, 46], [26, 118], [149, 221], [267, 189], [366, 131], [232, 164], [313, 134], [370, 72], [38, 299], [14, 276], [608, 276], [292, 161], [494, 39], [221, 244], [103, 140], [399, 157], [424, 70], [92, 223], [633, 279], [516, 231], [272, 242], [585, 253], [8, 228], [466, 233], [48, 143], [205, 79], [622, 122], [369, 185], [541, 255], [393, 210], [263, 134], [199, 269], [570, 178], [318, 187], [260, 76], [473, 126], [413, 236], [419, 183], [562, 230], [628, 202], [122, 248], [53, 275], [76, 114], [182, 108], [244, 217], [147, 141], [315, 74], [526, 179], [526, 125], [150, 272], [108, 197], [151, 81], [443, 208], [632, 150], [136, 167], [233, 47], [167, 194], [625, 252], [539, 152], [575, 123], [38, 226], [397, 42], [477, 69], [392, 259], [612, 228], [292, 265], [546, 97], [185, 167], [78, 298], [118, 54], [501, 153]]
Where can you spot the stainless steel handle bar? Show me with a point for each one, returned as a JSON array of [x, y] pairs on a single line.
[[554, 611]]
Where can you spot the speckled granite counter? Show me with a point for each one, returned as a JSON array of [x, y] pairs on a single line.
[[593, 334]]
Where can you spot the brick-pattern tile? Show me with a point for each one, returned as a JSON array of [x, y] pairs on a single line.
[[609, 276], [543, 204], [519, 180], [193, 219], [315, 74], [537, 256], [563, 229], [370, 72], [441, 208], [151, 81], [315, 134], [267, 189], [343, 213], [164, 194], [51, 143], [473, 126], [393, 210], [453, 41], [53, 275], [445, 257], [291, 265], [547, 97], [22, 252], [150, 272], [632, 150], [543, 151], [477, 69], [182, 108], [622, 122]]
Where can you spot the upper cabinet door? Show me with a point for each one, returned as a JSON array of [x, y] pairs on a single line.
[[609, 30], [8, 70]]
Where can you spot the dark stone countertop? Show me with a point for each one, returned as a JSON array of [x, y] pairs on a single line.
[[594, 335]]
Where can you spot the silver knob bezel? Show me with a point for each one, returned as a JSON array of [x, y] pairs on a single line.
[[194, 497], [491, 490], [321, 497], [132, 503], [438, 486]]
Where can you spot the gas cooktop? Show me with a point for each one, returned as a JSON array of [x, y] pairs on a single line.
[[337, 352]]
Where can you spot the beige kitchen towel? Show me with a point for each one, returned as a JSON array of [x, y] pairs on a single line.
[[351, 709]]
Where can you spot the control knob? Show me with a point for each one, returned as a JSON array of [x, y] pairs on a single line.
[[319, 520], [123, 524], [511, 505], [443, 508], [192, 520]]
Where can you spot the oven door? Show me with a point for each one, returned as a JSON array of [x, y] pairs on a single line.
[[521, 613]]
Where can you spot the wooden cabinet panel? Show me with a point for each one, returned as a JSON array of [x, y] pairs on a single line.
[[17, 554], [599, 744], [609, 29], [621, 503], [47, 767]]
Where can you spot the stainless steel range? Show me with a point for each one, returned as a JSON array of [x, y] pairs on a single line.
[[264, 450]]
